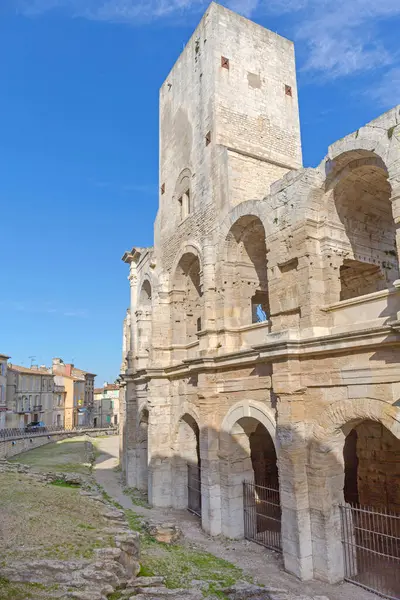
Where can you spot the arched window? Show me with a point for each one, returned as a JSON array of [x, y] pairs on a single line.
[[183, 195], [187, 306], [361, 224], [245, 277]]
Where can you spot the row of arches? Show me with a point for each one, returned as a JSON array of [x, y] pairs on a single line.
[[248, 447], [254, 483], [356, 212]]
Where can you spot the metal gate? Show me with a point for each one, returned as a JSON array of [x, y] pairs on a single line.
[[194, 489], [371, 544], [262, 515]]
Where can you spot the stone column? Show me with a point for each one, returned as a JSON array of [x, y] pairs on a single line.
[[133, 280], [292, 442], [130, 430], [210, 476], [296, 526], [236, 467], [160, 453], [326, 482]]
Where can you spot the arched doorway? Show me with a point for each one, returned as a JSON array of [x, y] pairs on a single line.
[[142, 451], [187, 468], [371, 513], [250, 483]]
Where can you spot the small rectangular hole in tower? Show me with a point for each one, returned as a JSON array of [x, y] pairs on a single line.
[[288, 90], [163, 189], [225, 62], [208, 138]]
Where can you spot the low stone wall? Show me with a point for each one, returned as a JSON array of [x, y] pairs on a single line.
[[14, 446]]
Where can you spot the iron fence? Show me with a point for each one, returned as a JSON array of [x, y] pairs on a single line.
[[371, 544], [194, 489], [22, 432], [262, 515]]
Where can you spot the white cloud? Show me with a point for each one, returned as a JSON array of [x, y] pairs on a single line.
[[337, 38], [387, 91], [32, 307], [344, 37]]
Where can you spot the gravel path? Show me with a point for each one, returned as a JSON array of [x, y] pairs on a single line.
[[263, 565]]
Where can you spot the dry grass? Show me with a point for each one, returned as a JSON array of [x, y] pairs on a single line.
[[68, 456], [47, 521]]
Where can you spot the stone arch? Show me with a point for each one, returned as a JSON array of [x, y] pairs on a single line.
[[187, 298], [250, 408], [254, 208], [187, 409], [144, 319], [247, 452], [326, 471], [243, 274], [358, 211], [188, 247], [360, 143], [182, 197], [186, 458], [146, 293]]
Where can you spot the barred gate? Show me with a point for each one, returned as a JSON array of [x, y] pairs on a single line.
[[371, 544], [262, 515], [194, 489]]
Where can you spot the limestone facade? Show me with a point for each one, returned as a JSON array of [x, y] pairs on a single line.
[[263, 334]]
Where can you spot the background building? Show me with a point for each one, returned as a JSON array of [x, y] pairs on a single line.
[[79, 388], [29, 395], [58, 404], [3, 389], [106, 405]]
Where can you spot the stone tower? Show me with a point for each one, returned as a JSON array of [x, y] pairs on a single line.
[[229, 120]]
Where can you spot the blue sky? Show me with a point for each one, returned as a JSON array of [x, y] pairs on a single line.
[[79, 84]]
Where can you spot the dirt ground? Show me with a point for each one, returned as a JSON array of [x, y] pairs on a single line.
[[263, 565]]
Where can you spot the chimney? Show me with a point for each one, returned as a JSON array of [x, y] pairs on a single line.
[[68, 369]]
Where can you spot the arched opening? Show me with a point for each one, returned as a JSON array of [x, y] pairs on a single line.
[[372, 467], [365, 233], [245, 275], [187, 300], [142, 451], [250, 484], [187, 479], [144, 320], [371, 514]]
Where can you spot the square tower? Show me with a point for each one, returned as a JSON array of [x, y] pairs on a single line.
[[229, 119]]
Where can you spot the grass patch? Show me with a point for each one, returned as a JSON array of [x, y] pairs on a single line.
[[138, 497], [68, 456], [62, 483], [48, 521], [181, 564], [25, 591], [109, 499]]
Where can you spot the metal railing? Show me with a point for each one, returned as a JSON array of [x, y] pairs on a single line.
[[262, 515], [194, 489], [21, 432], [371, 544]]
